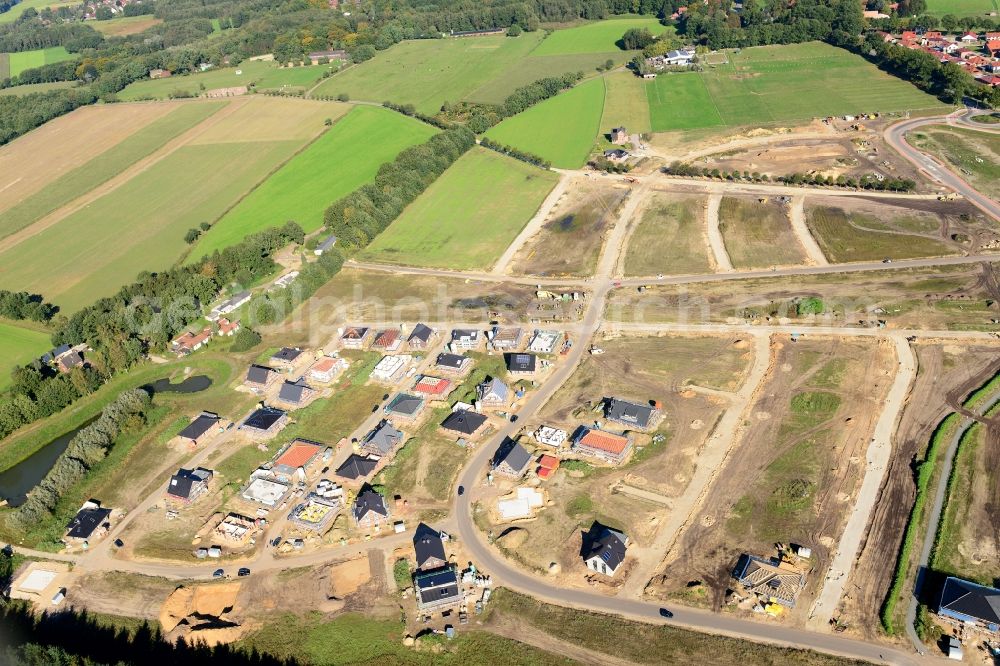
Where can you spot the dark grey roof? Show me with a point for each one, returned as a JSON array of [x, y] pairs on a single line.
[[464, 422], [628, 412], [978, 601], [294, 392], [327, 244], [427, 545], [369, 500], [259, 374], [521, 362], [52, 354], [609, 548], [356, 467], [184, 480], [287, 354], [453, 361], [421, 332], [200, 425], [461, 333], [512, 453], [405, 404], [437, 585], [71, 359], [86, 521], [263, 418], [383, 438]]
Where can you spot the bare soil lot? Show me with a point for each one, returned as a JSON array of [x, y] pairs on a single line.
[[758, 233], [669, 238], [569, 244], [945, 375], [41, 156], [792, 476], [863, 229], [937, 298]]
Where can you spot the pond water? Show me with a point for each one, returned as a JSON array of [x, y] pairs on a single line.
[[17, 481]]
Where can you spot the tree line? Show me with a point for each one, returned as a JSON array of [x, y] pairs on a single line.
[[717, 25], [361, 215], [866, 182], [20, 305], [481, 117], [87, 448], [516, 153]]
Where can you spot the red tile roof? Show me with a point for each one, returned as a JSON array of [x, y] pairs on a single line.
[[432, 385], [325, 364], [549, 462], [604, 441], [544, 472], [297, 455], [386, 338]]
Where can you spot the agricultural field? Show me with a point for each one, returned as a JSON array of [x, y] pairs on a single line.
[[798, 462], [758, 235], [329, 168], [669, 238], [22, 60], [140, 225], [975, 154], [468, 217], [598, 37], [37, 159], [36, 88], [854, 229], [15, 12], [562, 129], [961, 7], [20, 345], [675, 370], [429, 72], [128, 25], [937, 298], [771, 84], [113, 161], [531, 68], [569, 243], [259, 73], [625, 103]]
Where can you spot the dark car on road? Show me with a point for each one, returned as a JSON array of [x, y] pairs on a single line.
[[243, 572], [218, 573], [665, 613]]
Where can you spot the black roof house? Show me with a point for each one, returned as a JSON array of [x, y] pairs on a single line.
[[420, 334], [464, 422], [199, 426], [356, 467], [965, 601], [428, 547], [608, 548], [263, 418], [511, 457], [628, 413], [295, 392], [286, 354], [259, 374], [451, 361], [86, 522], [369, 501], [521, 362]]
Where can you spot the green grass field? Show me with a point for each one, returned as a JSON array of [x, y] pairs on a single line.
[[625, 103], [429, 72], [774, 84], [599, 37], [532, 68], [264, 75], [561, 129], [344, 158], [140, 225], [108, 164], [468, 217], [961, 7], [34, 87], [23, 60], [4, 65], [14, 12], [19, 345], [127, 25]]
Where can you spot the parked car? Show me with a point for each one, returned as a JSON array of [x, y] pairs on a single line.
[[243, 572], [218, 573], [461, 490], [665, 613], [119, 543]]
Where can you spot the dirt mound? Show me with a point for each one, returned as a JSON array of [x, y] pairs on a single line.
[[513, 538], [200, 605]]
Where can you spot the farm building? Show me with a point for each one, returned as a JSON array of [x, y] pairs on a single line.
[[200, 428], [617, 156], [355, 337], [492, 393], [357, 467], [326, 369], [437, 589], [259, 377], [429, 548], [316, 57], [452, 363], [264, 422], [370, 509], [188, 485], [295, 393], [970, 603], [606, 552], [511, 459], [607, 446], [630, 413], [432, 386], [521, 364], [405, 406], [506, 338], [387, 339], [229, 305], [382, 439], [774, 580], [464, 422], [420, 337], [464, 338]]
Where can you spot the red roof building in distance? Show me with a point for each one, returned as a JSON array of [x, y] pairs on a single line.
[[547, 465], [909, 36], [432, 385], [227, 327], [387, 339], [993, 46], [991, 36]]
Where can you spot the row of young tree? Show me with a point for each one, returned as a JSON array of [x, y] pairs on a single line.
[[87, 448], [361, 215], [481, 117], [516, 153], [867, 182], [19, 305]]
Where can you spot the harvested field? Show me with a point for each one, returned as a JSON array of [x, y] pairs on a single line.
[[791, 477], [570, 242], [38, 158], [260, 119], [250, 73], [468, 216], [669, 238], [941, 298], [758, 234], [975, 154], [128, 25], [687, 375], [859, 229], [945, 375]]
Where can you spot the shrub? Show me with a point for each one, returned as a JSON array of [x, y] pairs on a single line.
[[245, 339]]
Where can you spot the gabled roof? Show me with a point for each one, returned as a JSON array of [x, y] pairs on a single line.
[[386, 338], [961, 596], [200, 425], [609, 548], [453, 361], [287, 354], [521, 362], [369, 501], [383, 438], [512, 453], [602, 440], [464, 333], [259, 374], [356, 467], [628, 412], [329, 242], [432, 385], [294, 392], [184, 480], [492, 389], [298, 454], [421, 332], [443, 581], [464, 422], [86, 521], [427, 545]]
